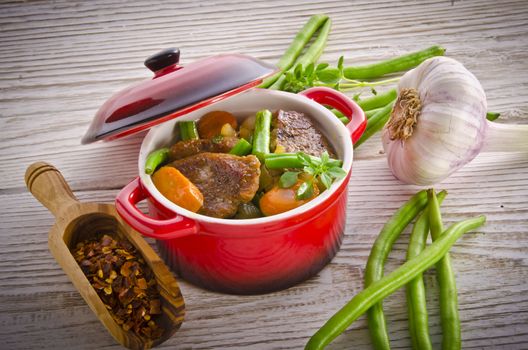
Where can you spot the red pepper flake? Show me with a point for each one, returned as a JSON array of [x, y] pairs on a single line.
[[123, 281]]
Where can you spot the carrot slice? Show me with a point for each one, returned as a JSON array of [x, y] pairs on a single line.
[[210, 125], [279, 200], [177, 188]]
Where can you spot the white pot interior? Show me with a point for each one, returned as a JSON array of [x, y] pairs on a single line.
[[242, 106]]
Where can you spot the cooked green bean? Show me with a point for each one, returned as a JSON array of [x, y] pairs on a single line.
[[375, 123], [291, 160], [261, 135], [376, 262], [294, 50], [382, 288], [311, 55], [286, 160], [415, 289], [241, 148], [451, 338], [188, 130], [378, 101], [398, 64], [248, 211], [155, 159]]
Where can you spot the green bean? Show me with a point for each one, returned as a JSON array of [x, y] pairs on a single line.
[[341, 116], [375, 123], [188, 130], [310, 56], [155, 159], [415, 289], [382, 288], [294, 50], [451, 339], [285, 160], [261, 134], [398, 64], [241, 148], [491, 116], [377, 101], [370, 113], [248, 211], [376, 261], [291, 160]]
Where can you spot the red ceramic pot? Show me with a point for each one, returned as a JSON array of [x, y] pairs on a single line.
[[253, 255]]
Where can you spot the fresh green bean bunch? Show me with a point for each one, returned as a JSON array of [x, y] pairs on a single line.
[[415, 290], [299, 73], [378, 287]]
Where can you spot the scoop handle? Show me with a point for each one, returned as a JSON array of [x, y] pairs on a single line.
[[49, 187]]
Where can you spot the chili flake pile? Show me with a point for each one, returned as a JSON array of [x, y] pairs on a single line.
[[123, 281]]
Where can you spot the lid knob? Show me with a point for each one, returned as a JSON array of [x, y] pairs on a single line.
[[163, 59]]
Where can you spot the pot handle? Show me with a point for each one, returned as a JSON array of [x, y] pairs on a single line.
[[172, 228], [341, 102]]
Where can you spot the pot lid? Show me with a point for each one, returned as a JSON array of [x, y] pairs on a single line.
[[174, 91]]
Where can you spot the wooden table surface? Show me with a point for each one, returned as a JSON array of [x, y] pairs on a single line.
[[60, 60]]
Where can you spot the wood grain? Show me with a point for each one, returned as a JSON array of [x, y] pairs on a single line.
[[60, 60]]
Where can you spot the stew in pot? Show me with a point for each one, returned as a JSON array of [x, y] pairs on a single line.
[[267, 165]]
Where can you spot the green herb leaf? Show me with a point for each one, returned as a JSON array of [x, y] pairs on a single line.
[[298, 71], [309, 170], [356, 97], [305, 191], [329, 75], [288, 179], [336, 172], [325, 180], [315, 162], [304, 158], [321, 66], [309, 70], [340, 63], [323, 168], [374, 92], [325, 158]]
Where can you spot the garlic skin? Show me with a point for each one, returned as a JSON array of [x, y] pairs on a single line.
[[450, 127]]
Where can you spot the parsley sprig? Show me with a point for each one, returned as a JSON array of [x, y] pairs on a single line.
[[302, 78], [320, 169]]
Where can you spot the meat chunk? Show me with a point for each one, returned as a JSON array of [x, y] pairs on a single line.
[[225, 180], [295, 132], [187, 148]]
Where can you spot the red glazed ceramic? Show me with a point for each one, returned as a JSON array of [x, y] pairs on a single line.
[[174, 91], [253, 255]]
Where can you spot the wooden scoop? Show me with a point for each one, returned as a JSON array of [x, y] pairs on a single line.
[[75, 222]]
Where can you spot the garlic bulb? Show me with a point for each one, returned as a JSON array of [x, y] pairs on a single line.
[[439, 124]]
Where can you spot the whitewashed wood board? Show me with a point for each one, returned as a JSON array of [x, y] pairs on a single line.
[[60, 60]]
